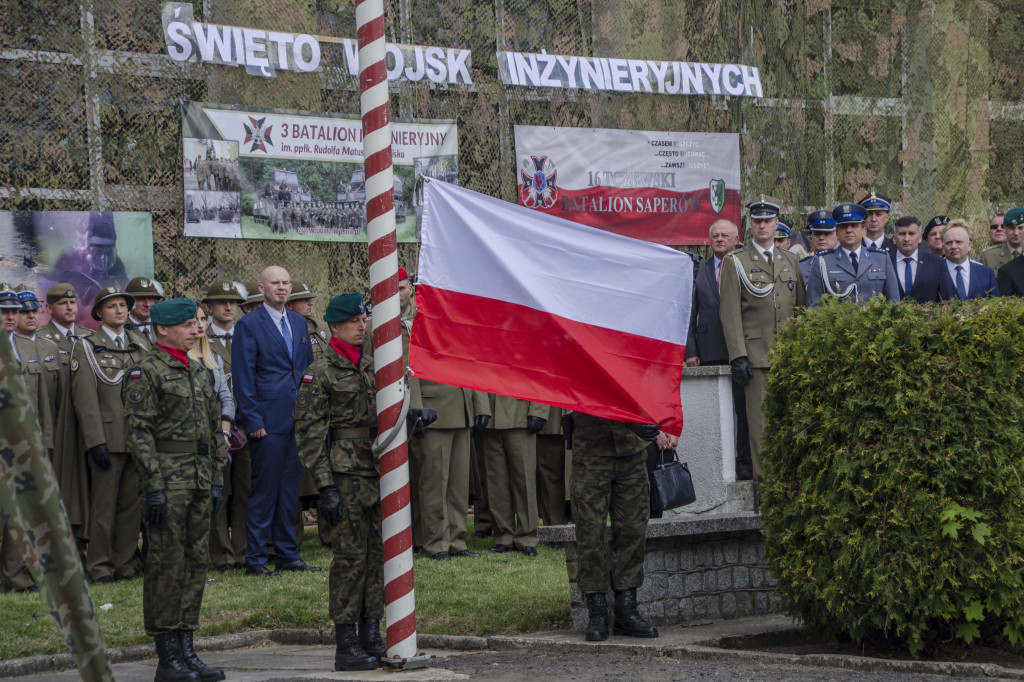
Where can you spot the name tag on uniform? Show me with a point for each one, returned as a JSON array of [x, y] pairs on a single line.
[[753, 270], [835, 272]]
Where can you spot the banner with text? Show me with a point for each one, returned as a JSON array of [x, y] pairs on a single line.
[[253, 173], [662, 187]]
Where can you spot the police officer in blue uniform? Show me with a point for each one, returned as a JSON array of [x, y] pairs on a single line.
[[852, 271], [877, 207], [822, 227]]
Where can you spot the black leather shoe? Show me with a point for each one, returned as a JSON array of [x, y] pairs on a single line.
[[501, 549], [417, 549], [134, 575], [530, 551], [556, 545], [744, 474], [441, 556], [188, 654], [628, 620], [480, 535], [261, 570], [107, 580], [597, 611], [348, 655], [226, 568], [466, 552], [172, 666], [298, 565]]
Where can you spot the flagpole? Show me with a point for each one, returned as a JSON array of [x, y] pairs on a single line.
[[400, 605]]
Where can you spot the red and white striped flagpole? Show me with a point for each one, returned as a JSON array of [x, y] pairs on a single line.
[[400, 603]]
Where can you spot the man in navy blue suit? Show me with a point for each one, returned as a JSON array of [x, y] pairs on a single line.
[[269, 354], [964, 279], [918, 273]]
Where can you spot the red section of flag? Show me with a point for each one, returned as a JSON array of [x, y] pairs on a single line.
[[518, 351]]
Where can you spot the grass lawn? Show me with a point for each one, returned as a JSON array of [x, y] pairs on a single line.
[[493, 594]]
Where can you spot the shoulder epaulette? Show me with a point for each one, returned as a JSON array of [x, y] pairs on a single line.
[[994, 246]]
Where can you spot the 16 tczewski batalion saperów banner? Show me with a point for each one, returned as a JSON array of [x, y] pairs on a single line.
[[664, 187]]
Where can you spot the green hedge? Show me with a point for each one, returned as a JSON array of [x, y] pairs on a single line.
[[892, 500]]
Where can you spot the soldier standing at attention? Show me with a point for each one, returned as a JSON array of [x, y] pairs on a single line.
[[146, 293], [609, 475], [98, 366], [42, 358], [172, 425], [761, 288], [335, 421]]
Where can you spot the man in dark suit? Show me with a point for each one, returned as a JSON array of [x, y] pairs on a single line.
[[705, 341], [270, 352], [1010, 277], [922, 272], [877, 207], [964, 279]]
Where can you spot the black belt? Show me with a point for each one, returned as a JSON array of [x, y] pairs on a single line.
[[182, 447], [350, 432]]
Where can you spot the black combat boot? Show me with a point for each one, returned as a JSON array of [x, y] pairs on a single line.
[[172, 667], [597, 626], [349, 655], [188, 654], [627, 619], [370, 640]]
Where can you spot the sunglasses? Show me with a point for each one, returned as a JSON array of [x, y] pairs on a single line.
[[994, 227]]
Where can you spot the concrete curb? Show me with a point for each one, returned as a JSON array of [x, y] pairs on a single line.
[[34, 665]]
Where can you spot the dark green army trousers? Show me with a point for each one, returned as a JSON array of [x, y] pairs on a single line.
[[357, 571], [616, 485], [172, 589]]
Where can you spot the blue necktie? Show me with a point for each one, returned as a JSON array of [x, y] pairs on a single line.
[[908, 275], [853, 259], [286, 332], [961, 290]]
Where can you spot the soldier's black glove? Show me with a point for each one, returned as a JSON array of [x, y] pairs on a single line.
[[420, 418], [741, 371], [330, 504], [480, 423], [216, 498], [647, 432], [100, 455], [535, 424], [156, 507]]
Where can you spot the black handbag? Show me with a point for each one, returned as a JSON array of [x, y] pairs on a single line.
[[671, 484]]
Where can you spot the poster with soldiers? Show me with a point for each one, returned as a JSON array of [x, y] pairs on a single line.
[[299, 174], [87, 249], [212, 188], [662, 187]]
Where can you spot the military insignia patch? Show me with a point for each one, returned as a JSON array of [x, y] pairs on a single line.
[[135, 395], [307, 378], [791, 285], [49, 358], [135, 374], [74, 365], [302, 400]]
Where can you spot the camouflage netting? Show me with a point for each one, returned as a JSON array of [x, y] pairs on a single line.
[[920, 99]]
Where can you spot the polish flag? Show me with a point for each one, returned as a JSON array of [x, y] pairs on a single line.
[[516, 302]]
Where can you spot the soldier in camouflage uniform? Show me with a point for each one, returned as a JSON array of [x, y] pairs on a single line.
[[172, 425], [609, 474], [38, 528]]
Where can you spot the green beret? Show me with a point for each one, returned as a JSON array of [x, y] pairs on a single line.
[[344, 307], [1015, 216], [173, 311]]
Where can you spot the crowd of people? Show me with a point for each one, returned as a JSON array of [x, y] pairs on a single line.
[[344, 217], [209, 426]]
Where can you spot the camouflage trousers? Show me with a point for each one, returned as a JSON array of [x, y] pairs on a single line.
[[616, 485], [357, 571], [176, 565]]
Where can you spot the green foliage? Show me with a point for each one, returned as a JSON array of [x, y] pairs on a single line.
[[893, 503]]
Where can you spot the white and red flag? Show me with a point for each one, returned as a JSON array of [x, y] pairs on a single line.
[[523, 304]]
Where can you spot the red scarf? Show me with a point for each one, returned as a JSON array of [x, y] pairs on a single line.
[[347, 350], [178, 355]]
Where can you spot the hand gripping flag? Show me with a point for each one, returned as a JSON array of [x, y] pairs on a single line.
[[519, 303]]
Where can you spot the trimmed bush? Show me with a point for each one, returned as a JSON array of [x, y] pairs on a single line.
[[892, 499]]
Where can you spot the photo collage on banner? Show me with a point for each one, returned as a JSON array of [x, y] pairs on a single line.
[[254, 173]]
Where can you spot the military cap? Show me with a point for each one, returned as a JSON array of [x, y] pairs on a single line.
[[173, 311], [402, 274], [846, 214], [764, 207], [344, 307], [1015, 216], [783, 231], [876, 202], [937, 221], [300, 292], [107, 293], [143, 287], [8, 298], [821, 221], [59, 291], [101, 229], [252, 293], [223, 290], [28, 301]]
